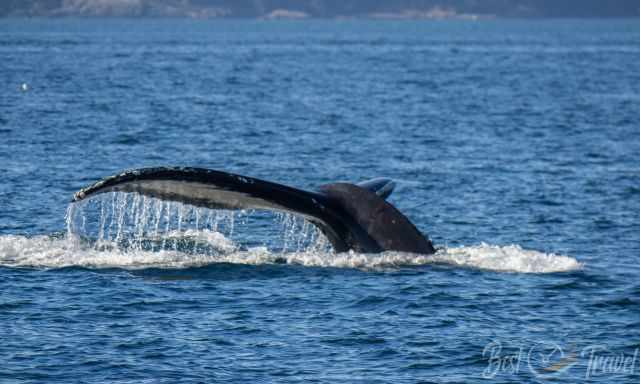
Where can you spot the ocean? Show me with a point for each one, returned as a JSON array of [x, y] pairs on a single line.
[[514, 144]]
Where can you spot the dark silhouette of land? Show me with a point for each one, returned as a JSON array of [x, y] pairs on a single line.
[[399, 9]]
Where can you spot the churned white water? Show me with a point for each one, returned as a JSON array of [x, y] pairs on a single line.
[[48, 252], [130, 231]]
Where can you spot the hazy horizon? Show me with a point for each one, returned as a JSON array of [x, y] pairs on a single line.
[[400, 9]]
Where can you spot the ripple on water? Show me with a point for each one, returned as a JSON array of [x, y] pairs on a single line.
[[527, 143]]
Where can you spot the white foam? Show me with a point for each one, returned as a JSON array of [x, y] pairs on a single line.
[[510, 258], [48, 252], [213, 238]]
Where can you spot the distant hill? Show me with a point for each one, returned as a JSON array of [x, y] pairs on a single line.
[[322, 8]]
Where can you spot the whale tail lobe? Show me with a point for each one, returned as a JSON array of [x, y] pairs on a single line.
[[352, 216]]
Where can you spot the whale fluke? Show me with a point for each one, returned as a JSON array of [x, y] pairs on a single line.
[[352, 216]]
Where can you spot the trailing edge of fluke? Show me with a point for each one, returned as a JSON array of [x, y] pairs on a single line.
[[352, 216]]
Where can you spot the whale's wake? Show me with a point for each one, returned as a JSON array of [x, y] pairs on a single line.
[[132, 232], [58, 252]]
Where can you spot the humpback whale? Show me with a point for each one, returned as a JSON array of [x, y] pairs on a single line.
[[352, 216]]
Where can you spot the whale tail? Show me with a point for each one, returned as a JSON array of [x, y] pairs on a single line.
[[352, 216]]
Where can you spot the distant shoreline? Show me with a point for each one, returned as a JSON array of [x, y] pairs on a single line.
[[187, 10], [324, 9], [315, 18]]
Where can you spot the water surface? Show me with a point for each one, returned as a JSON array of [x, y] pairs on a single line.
[[514, 145]]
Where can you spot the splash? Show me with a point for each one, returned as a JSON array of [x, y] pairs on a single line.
[[132, 232], [510, 258], [59, 252], [132, 222]]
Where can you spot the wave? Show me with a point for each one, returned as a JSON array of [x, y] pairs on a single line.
[[73, 251]]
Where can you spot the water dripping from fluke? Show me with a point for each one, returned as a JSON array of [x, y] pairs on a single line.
[[130, 223]]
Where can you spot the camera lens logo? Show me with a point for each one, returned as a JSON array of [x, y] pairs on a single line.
[[548, 359]]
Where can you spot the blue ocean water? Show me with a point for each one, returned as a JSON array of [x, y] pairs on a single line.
[[514, 144]]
